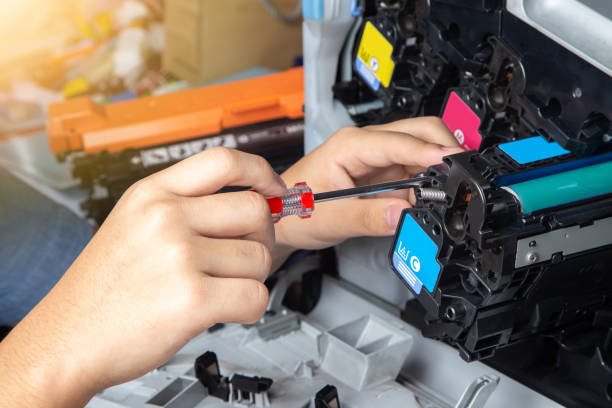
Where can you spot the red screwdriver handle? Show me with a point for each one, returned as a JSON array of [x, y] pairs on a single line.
[[298, 200]]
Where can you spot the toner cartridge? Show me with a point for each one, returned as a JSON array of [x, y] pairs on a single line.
[[111, 146], [508, 252]]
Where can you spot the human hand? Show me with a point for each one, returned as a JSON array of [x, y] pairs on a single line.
[[170, 261], [354, 157]]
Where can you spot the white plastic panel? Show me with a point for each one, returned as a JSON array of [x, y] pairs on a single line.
[[582, 26]]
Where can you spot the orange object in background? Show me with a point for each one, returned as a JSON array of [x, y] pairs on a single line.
[[81, 124]]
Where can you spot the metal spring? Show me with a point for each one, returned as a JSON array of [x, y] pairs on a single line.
[[292, 205], [293, 201], [431, 194]]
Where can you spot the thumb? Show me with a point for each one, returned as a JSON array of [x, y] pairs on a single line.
[[373, 217]]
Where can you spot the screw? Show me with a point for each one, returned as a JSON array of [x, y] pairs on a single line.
[[532, 244], [402, 102], [577, 93], [451, 313], [531, 257], [374, 64]]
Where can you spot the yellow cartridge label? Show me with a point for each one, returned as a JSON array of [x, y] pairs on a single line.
[[373, 61]]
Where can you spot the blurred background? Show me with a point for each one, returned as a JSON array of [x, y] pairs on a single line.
[[117, 50]]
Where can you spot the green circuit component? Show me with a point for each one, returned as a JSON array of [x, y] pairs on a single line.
[[563, 188]]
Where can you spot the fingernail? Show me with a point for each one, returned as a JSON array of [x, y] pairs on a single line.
[[451, 148], [394, 211]]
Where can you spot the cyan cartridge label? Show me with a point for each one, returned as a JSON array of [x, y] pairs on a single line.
[[414, 256], [532, 149]]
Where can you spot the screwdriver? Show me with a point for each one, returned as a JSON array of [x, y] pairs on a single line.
[[299, 200]]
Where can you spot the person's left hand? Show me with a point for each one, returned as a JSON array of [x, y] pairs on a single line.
[[354, 157]]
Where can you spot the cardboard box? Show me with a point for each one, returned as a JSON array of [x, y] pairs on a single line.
[[210, 39]]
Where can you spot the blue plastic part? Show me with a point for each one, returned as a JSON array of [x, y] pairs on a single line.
[[532, 149], [313, 9], [414, 256], [553, 169], [356, 8], [367, 75]]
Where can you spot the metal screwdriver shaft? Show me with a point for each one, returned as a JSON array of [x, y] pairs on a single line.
[[299, 199], [369, 190]]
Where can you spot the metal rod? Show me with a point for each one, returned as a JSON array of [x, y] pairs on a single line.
[[369, 190]]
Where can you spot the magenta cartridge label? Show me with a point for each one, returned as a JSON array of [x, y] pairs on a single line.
[[462, 122]]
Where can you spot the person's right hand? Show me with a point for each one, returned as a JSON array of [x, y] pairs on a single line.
[[170, 261], [356, 157]]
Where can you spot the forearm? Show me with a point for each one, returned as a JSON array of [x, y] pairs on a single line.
[[37, 373], [15, 387]]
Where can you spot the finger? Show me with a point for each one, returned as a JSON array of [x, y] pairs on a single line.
[[380, 149], [244, 214], [428, 128], [386, 174], [230, 215], [236, 300], [377, 217], [359, 217], [233, 258], [209, 171]]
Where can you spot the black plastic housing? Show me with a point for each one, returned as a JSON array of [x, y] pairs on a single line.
[[549, 324]]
